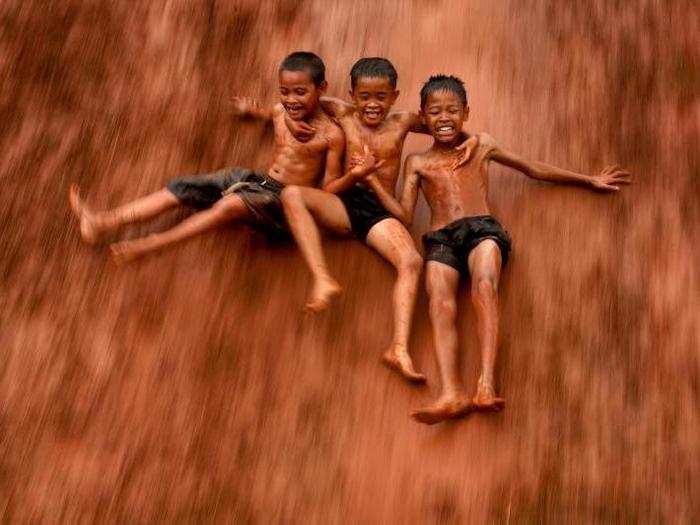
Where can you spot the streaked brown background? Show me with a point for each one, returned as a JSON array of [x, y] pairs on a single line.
[[191, 387]]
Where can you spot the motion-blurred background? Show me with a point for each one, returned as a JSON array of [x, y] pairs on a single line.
[[191, 387]]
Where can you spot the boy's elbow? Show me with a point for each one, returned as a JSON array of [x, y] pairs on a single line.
[[534, 173]]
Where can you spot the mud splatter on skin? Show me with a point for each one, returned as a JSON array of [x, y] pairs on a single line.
[[191, 387]]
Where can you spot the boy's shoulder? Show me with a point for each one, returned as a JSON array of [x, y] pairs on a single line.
[[415, 161], [401, 116], [486, 140], [329, 128]]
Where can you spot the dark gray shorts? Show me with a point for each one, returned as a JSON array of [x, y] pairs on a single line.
[[364, 209], [259, 192], [452, 244]]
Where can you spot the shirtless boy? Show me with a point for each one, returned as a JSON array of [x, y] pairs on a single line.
[[235, 194], [361, 201], [465, 239]]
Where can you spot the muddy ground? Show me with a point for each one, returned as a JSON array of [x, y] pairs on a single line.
[[190, 386]]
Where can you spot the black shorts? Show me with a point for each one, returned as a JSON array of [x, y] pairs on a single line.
[[259, 192], [364, 210], [452, 244]]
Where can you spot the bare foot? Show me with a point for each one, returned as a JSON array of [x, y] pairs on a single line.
[[323, 292], [402, 363], [126, 251], [449, 407], [485, 399], [89, 228]]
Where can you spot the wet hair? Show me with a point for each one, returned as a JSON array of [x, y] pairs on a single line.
[[305, 61], [373, 67], [443, 83]]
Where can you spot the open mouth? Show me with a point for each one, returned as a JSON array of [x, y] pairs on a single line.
[[372, 114], [294, 109], [445, 130]]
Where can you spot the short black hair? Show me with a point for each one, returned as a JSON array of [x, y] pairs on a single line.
[[373, 67], [443, 83], [305, 61]]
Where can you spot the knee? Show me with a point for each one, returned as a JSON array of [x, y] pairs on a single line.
[[442, 308], [484, 287], [411, 263], [291, 196], [229, 206]]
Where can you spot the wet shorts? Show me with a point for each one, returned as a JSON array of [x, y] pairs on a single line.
[[364, 210], [259, 192], [452, 244]]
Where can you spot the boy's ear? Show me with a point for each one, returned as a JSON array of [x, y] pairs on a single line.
[[351, 94], [422, 117], [323, 86], [396, 95], [466, 113]]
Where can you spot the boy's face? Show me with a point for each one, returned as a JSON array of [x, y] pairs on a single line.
[[443, 114], [373, 97], [298, 93]]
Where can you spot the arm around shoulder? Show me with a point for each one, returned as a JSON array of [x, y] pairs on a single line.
[[335, 107]]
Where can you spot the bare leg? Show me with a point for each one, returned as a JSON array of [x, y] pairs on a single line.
[[485, 270], [442, 282], [229, 208], [393, 242], [303, 207], [94, 224]]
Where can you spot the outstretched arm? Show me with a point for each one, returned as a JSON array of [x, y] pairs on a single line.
[[609, 179], [246, 107], [411, 186]]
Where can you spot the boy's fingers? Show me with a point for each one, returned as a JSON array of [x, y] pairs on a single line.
[[379, 163]]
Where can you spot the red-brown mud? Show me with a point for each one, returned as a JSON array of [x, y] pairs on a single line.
[[191, 386]]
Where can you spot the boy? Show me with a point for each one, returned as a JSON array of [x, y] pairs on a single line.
[[236, 193], [465, 238], [361, 201]]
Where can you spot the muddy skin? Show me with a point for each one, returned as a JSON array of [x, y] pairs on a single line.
[[190, 387]]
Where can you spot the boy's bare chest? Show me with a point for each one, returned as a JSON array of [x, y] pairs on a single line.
[[316, 146], [385, 143], [438, 176]]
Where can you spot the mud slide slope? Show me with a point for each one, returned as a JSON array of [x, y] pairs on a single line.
[[190, 386]]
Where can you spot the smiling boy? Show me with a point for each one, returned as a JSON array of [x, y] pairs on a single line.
[[361, 201], [234, 194], [465, 239]]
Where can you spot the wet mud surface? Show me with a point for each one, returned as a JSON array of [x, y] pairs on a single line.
[[190, 386]]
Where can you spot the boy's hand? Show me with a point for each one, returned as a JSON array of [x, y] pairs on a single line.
[[301, 130], [364, 164], [467, 147], [244, 106], [610, 179]]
